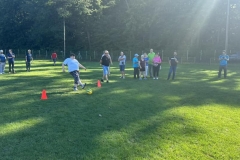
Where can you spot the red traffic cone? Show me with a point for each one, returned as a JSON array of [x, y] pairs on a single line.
[[44, 95], [99, 84]]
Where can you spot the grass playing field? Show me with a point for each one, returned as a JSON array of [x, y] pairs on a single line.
[[194, 117]]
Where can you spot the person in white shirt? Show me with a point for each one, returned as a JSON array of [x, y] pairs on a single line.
[[122, 63]]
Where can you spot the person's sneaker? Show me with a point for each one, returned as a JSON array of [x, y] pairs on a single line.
[[120, 77], [75, 88], [0, 73], [102, 80], [153, 77], [140, 78], [145, 78], [123, 77], [84, 85], [107, 81], [157, 78]]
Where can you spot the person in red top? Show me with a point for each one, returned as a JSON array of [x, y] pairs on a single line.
[[54, 57]]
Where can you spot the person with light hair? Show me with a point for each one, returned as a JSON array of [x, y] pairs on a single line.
[[28, 59], [122, 63], [105, 62]]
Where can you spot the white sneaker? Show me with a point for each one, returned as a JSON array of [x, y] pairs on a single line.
[[157, 78], [153, 77], [0, 73], [123, 77]]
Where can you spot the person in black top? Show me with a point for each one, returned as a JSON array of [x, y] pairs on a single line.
[[105, 62], [28, 58], [10, 58], [173, 66]]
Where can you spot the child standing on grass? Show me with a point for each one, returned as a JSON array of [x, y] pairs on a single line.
[[136, 66], [122, 62], [146, 59], [142, 65], [28, 58], [73, 69]]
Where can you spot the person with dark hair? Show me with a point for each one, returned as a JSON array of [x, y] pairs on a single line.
[[73, 69], [28, 58], [223, 59], [173, 65], [156, 65], [54, 57], [2, 62], [11, 57], [150, 62]]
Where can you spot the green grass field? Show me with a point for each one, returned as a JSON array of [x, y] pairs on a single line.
[[194, 117]]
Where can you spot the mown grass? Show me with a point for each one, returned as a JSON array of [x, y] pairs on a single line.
[[194, 117]]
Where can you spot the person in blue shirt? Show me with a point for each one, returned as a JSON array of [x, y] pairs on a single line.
[[73, 69], [223, 59], [2, 62], [10, 57], [28, 58], [136, 66]]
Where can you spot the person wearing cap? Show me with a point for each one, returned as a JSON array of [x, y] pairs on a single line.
[[151, 55], [73, 69], [28, 59], [223, 59], [2, 62], [105, 62], [11, 57], [136, 66]]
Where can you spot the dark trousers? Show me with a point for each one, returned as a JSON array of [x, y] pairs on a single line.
[[150, 69], [11, 66], [156, 70], [224, 68], [172, 70], [28, 65], [136, 72]]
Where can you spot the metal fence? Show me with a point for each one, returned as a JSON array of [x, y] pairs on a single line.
[[184, 56]]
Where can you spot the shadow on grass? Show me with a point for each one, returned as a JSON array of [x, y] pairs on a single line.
[[116, 122]]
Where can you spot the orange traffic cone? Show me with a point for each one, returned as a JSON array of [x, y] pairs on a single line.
[[99, 84], [44, 95]]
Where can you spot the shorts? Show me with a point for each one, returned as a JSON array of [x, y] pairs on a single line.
[[105, 70], [142, 69], [54, 59], [122, 67], [75, 75]]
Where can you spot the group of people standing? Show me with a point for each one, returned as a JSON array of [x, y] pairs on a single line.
[[151, 63]]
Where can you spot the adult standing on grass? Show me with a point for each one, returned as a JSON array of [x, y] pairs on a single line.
[[73, 69], [102, 80], [156, 65], [136, 66], [150, 63], [54, 57], [11, 57], [122, 63], [224, 58], [2, 62], [173, 65], [28, 59], [105, 62]]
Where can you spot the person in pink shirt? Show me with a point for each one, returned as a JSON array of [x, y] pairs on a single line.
[[156, 65]]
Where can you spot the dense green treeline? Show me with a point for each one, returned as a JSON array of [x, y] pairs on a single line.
[[119, 24]]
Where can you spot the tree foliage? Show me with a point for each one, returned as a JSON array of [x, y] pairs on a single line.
[[119, 24]]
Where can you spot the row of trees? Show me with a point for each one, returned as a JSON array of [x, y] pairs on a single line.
[[119, 24]]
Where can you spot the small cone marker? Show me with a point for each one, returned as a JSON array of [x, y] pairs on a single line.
[[44, 95], [99, 84]]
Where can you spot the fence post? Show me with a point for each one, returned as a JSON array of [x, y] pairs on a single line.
[[86, 55], [18, 52], [162, 54], [215, 55], [130, 55], [94, 55], [187, 55], [46, 55], [201, 55]]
